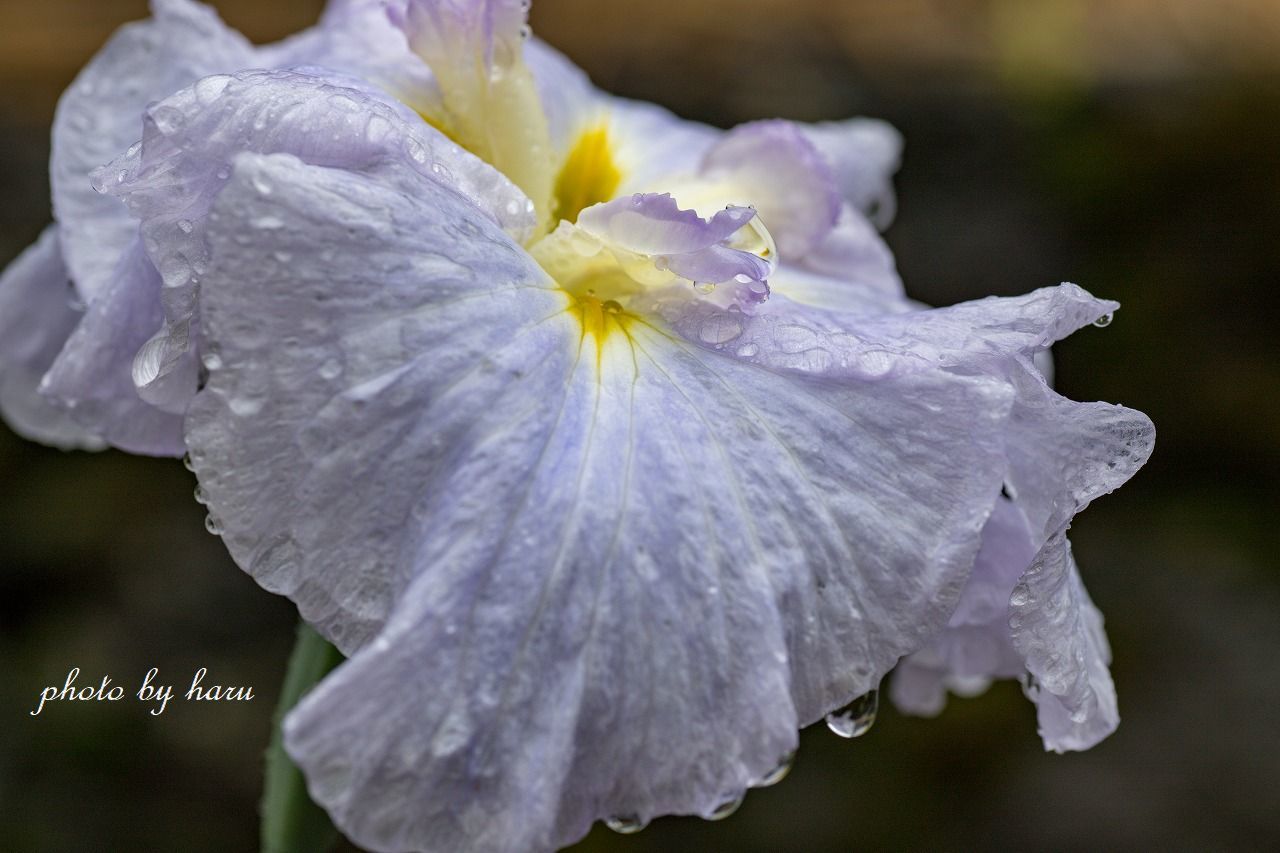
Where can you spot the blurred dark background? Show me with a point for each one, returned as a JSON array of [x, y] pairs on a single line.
[[1132, 146]]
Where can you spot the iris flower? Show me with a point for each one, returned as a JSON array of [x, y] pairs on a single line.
[[605, 445]]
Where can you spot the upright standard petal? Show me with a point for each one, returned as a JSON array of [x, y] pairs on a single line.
[[99, 116], [36, 316], [864, 154], [490, 103]]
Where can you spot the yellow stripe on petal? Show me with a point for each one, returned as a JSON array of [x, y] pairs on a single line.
[[590, 175]]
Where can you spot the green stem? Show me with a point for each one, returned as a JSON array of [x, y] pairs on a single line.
[[291, 823]]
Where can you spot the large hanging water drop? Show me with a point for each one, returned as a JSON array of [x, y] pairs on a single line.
[[627, 824], [780, 772], [726, 808], [856, 718]]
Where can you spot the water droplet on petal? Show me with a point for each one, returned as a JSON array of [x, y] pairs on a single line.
[[628, 824], [223, 173], [780, 772], [856, 718], [704, 287], [1021, 595], [331, 369], [1105, 320], [212, 525], [201, 496], [211, 361], [186, 226], [743, 278], [748, 351], [612, 307], [720, 329], [726, 808], [187, 462]]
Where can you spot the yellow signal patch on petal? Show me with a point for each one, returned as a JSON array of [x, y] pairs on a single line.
[[590, 175]]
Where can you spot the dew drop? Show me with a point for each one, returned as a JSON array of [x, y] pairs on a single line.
[[331, 369], [1104, 321], [168, 120], [212, 525], [780, 772], [186, 226], [856, 718], [262, 185], [704, 287], [188, 462], [743, 278], [612, 307], [720, 329], [211, 361], [627, 824], [1020, 596], [201, 496], [223, 173], [748, 351], [727, 808], [662, 263]]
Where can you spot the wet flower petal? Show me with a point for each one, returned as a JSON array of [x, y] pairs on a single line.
[[95, 367], [185, 156], [785, 482], [475, 49], [36, 315], [99, 116], [697, 249], [864, 155], [773, 164]]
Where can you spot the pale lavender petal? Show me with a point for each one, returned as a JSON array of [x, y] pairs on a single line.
[[94, 371], [976, 642], [680, 240], [489, 98], [851, 271], [375, 239], [780, 172], [1059, 455], [440, 431], [1059, 632], [654, 146], [864, 154], [486, 27], [36, 316], [357, 37], [189, 141], [100, 115]]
